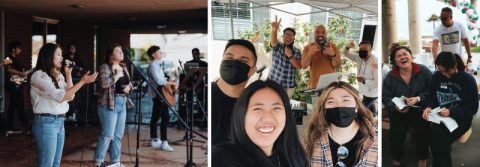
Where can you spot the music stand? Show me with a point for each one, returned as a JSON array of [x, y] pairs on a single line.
[[191, 77]]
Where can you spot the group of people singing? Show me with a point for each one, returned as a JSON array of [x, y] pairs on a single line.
[[52, 89]]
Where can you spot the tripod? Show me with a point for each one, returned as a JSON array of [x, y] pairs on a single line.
[[139, 102]]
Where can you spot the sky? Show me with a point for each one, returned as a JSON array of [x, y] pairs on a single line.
[[427, 8]]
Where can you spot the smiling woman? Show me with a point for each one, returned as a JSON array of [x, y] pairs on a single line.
[[263, 130]]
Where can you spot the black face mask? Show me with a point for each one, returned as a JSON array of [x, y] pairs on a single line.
[[363, 53], [341, 116], [234, 72]]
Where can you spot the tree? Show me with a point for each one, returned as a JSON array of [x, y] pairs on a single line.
[[433, 18]]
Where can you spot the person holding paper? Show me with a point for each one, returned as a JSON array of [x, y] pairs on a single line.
[[456, 93], [410, 80]]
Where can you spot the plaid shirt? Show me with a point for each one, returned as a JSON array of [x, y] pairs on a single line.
[[282, 70], [107, 86], [322, 156]]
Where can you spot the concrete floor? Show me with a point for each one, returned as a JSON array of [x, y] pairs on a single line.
[[19, 150], [462, 154]]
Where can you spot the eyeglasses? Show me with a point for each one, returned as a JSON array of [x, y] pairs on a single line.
[[342, 154]]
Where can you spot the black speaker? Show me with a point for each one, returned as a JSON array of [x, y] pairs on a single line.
[[369, 33]]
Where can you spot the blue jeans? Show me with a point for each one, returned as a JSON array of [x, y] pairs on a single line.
[[49, 134], [113, 126]]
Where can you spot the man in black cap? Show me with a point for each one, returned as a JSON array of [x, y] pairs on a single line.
[[238, 64]]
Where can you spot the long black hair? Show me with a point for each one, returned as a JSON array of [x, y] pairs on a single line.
[[287, 145], [450, 60], [45, 61]]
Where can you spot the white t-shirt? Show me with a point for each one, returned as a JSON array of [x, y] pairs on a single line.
[[450, 38]]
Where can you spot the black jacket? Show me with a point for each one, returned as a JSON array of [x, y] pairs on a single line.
[[394, 86]]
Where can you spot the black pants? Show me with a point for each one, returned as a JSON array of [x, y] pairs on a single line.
[[399, 124], [16, 104], [159, 108], [369, 103], [441, 141]]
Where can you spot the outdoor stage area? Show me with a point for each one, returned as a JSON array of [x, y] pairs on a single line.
[[20, 150]]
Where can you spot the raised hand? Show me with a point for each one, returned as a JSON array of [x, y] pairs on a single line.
[[89, 78], [66, 68], [329, 51], [276, 23], [313, 48], [351, 44]]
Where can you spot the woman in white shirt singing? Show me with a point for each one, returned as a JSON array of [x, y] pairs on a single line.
[[50, 93]]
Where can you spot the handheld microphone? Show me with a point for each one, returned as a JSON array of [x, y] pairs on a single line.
[[72, 65], [321, 42], [260, 70]]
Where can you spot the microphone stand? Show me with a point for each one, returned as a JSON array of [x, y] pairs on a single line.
[[162, 99], [189, 132], [195, 96]]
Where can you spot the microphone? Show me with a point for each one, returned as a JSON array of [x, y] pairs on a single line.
[[72, 65], [180, 61], [260, 70]]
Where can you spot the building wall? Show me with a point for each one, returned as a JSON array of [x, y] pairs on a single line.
[[18, 27], [82, 36], [107, 36]]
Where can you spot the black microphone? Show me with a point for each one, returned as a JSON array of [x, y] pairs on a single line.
[[260, 70], [72, 65], [180, 61]]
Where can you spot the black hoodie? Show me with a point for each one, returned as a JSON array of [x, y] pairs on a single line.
[[459, 94]]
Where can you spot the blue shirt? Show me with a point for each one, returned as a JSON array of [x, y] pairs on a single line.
[[156, 76], [282, 70]]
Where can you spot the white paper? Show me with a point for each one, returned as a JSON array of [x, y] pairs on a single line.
[[399, 102], [435, 117]]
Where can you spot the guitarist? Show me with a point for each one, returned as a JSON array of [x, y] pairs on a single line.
[[157, 77], [15, 90]]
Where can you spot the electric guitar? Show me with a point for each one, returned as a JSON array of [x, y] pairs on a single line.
[[17, 79]]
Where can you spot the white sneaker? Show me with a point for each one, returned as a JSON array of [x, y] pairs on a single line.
[[118, 164], [156, 143], [166, 147]]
